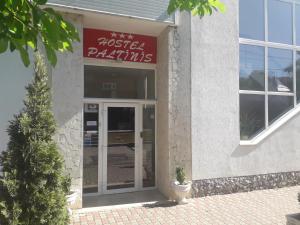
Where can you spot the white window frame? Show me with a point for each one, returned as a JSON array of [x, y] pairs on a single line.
[[267, 44]]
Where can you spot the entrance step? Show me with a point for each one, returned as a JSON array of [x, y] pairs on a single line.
[[124, 200]]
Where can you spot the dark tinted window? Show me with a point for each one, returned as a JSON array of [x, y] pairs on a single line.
[[252, 68]]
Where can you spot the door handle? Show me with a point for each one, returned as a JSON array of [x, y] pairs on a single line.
[[142, 134]]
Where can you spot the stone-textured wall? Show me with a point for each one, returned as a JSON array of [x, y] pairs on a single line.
[[67, 87], [173, 87], [180, 96], [230, 185]]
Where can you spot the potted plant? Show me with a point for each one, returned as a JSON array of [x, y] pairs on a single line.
[[71, 199], [71, 196], [180, 186]]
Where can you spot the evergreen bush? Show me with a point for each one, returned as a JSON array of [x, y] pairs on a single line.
[[34, 184], [180, 175]]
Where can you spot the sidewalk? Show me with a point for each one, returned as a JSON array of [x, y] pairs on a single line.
[[267, 207]]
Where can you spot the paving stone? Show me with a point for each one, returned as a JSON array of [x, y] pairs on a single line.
[[266, 207]]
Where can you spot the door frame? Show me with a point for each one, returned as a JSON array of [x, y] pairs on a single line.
[[139, 103], [138, 148]]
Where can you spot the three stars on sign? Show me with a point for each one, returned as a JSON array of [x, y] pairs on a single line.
[[121, 35]]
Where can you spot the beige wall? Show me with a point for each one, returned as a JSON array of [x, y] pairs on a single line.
[[174, 99], [67, 87]]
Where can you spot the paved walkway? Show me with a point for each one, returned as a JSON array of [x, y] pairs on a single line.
[[267, 207]]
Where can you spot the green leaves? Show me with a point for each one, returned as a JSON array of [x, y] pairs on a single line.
[[3, 45], [51, 55], [24, 24], [197, 7], [24, 55]]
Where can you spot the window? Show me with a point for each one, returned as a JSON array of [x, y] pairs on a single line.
[[252, 24], [280, 70], [278, 105], [298, 76], [269, 62], [280, 21], [252, 68], [252, 115], [115, 82], [297, 23]]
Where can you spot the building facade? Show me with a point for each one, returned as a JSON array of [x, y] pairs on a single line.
[[145, 92]]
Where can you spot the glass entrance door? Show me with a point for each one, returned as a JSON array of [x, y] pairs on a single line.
[[121, 146]]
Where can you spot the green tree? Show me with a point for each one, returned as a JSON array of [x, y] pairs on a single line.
[[197, 7], [34, 184], [26, 23]]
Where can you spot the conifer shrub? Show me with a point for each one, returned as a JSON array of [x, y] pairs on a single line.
[[180, 175], [34, 184]]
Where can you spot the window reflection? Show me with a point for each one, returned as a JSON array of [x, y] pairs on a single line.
[[279, 105], [279, 62], [252, 115], [280, 21], [114, 82], [252, 24], [148, 146], [252, 68], [297, 25], [280, 70], [298, 76]]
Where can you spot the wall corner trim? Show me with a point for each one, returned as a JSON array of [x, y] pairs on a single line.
[[280, 122]]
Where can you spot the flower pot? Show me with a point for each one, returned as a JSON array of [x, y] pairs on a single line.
[[181, 191], [71, 199]]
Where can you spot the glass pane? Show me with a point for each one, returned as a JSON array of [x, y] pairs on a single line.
[[297, 21], [150, 86], [90, 148], [113, 82], [252, 115], [148, 146], [280, 15], [252, 22], [280, 70], [279, 105], [298, 76], [252, 68], [120, 147]]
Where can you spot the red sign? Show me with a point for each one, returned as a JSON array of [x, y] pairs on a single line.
[[102, 44]]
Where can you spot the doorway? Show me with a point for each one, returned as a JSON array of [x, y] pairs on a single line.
[[119, 147]]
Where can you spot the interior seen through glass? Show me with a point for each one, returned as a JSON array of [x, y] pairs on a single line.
[[120, 147], [90, 148], [148, 145], [114, 82]]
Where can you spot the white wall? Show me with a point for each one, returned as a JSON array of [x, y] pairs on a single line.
[[215, 93], [216, 150], [14, 76]]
